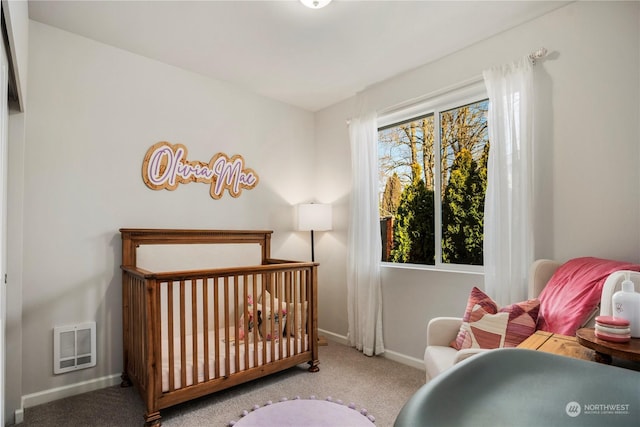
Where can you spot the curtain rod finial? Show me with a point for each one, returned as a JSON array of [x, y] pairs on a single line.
[[538, 54]]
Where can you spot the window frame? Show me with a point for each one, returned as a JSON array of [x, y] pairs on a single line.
[[435, 105]]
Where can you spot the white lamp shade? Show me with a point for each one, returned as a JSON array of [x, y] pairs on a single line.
[[314, 216]]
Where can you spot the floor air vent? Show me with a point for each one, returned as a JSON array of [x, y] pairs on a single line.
[[74, 347]]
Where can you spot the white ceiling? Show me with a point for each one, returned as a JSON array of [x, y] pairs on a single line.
[[283, 50]]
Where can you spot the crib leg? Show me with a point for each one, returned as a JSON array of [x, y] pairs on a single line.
[[126, 382], [152, 420], [314, 365]]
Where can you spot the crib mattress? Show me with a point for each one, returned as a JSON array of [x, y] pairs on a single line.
[[266, 352]]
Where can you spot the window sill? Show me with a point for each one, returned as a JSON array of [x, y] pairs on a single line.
[[475, 270]]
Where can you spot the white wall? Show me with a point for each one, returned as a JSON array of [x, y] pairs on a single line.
[[93, 111], [587, 192]]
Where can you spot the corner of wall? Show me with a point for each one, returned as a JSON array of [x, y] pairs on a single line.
[[15, 200]]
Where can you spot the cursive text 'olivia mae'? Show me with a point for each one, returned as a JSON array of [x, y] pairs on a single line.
[[165, 166]]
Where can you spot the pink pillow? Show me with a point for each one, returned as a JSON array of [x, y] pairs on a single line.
[[523, 318], [573, 293], [484, 326]]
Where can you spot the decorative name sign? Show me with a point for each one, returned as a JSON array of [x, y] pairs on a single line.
[[165, 166]]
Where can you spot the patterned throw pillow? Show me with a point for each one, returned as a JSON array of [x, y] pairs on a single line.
[[523, 318], [478, 305], [484, 326]]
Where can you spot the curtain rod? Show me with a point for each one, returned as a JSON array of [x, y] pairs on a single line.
[[534, 57]]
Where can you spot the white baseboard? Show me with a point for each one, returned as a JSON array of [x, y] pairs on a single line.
[[340, 339], [52, 394], [404, 359], [18, 416], [388, 354]]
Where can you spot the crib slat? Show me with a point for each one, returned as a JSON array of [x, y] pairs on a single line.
[[265, 278], [205, 326], [194, 330], [140, 335], [227, 360], [170, 334], [305, 321], [140, 329], [183, 335], [133, 328], [298, 320], [135, 309], [154, 314], [256, 326], [216, 328], [272, 289], [131, 353], [287, 324], [278, 334], [236, 337], [245, 316]]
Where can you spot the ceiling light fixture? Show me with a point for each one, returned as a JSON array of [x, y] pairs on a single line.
[[315, 4]]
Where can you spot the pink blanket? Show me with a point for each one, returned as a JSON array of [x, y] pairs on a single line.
[[573, 293]]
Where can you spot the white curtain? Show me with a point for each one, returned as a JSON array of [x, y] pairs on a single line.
[[364, 242], [508, 216]]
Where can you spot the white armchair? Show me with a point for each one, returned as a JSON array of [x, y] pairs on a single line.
[[440, 356]]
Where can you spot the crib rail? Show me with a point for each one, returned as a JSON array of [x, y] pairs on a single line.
[[210, 329]]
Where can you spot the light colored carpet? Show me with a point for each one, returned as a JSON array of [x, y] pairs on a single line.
[[375, 383]]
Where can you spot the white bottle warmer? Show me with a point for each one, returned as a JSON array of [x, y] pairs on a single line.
[[626, 304]]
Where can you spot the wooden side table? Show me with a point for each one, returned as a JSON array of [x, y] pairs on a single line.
[[606, 350], [586, 346], [557, 344]]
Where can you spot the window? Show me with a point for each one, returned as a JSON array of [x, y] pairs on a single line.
[[433, 174]]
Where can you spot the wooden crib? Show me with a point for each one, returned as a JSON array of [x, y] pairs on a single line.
[[192, 332]]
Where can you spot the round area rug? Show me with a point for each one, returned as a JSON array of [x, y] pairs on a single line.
[[305, 412]]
